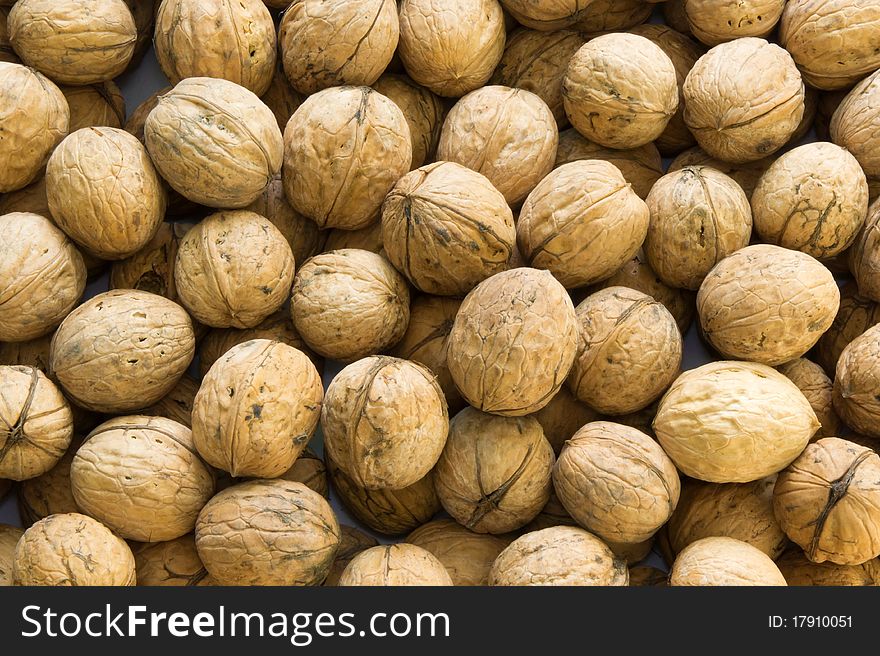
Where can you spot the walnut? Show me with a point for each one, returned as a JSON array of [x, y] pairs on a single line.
[[394, 565], [722, 561], [466, 555], [857, 383]]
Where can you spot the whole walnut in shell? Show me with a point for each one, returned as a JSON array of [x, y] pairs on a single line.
[[267, 533], [349, 303], [141, 477], [526, 317], [537, 62], [582, 223], [767, 304], [172, 563], [864, 256], [35, 119], [641, 167], [745, 174], [151, 269], [344, 149], [95, 105], [812, 199], [494, 473], [216, 38], [723, 561], [828, 502], [36, 424], [603, 16], [233, 269], [743, 511], [385, 422], [733, 422], [799, 570], [42, 276], [620, 90], [85, 179], [331, 44], [508, 135], [562, 417], [422, 110], [49, 493], [257, 408], [74, 41], [72, 550], [444, 217], [466, 555], [311, 471], [743, 99], [546, 15], [390, 512], [629, 351], [856, 315], [214, 142], [394, 565], [616, 482], [833, 42], [9, 537], [451, 46], [855, 125], [122, 350], [352, 541], [560, 555], [817, 389], [717, 22], [857, 384], [699, 216]]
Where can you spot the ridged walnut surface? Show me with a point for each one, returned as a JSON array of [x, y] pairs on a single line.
[[95, 105], [603, 16], [395, 565], [798, 570], [351, 543], [562, 417], [855, 125], [745, 174], [723, 561], [817, 388], [9, 537], [151, 269], [422, 110], [856, 315], [172, 563], [466, 555], [546, 15], [49, 493], [857, 384], [864, 256], [717, 22]]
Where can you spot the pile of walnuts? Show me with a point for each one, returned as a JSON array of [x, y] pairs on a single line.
[[490, 222]]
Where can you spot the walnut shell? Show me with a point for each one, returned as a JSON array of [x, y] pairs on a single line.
[[32, 353], [562, 417], [733, 422], [95, 105], [675, 17], [172, 563], [72, 550], [7, 54], [537, 62], [722, 561], [142, 478], [683, 52], [641, 167], [855, 124], [233, 269], [214, 142], [799, 570], [394, 565], [833, 42], [74, 41], [344, 149], [717, 22], [365, 239], [612, 15], [647, 576], [384, 422], [629, 351], [494, 473], [144, 13], [49, 493], [864, 256], [855, 316], [9, 537], [560, 555], [422, 110], [817, 389], [828, 502], [311, 471], [743, 511], [349, 303], [745, 174], [331, 44], [743, 99], [257, 408], [857, 384], [177, 404], [122, 350], [267, 533], [151, 269], [546, 15], [444, 217], [479, 132], [552, 514], [281, 98], [42, 276], [451, 46], [767, 304], [813, 199], [84, 179], [216, 38], [466, 555], [30, 199], [699, 216], [525, 317], [620, 90], [616, 482], [390, 512], [426, 341], [35, 120], [352, 542]]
